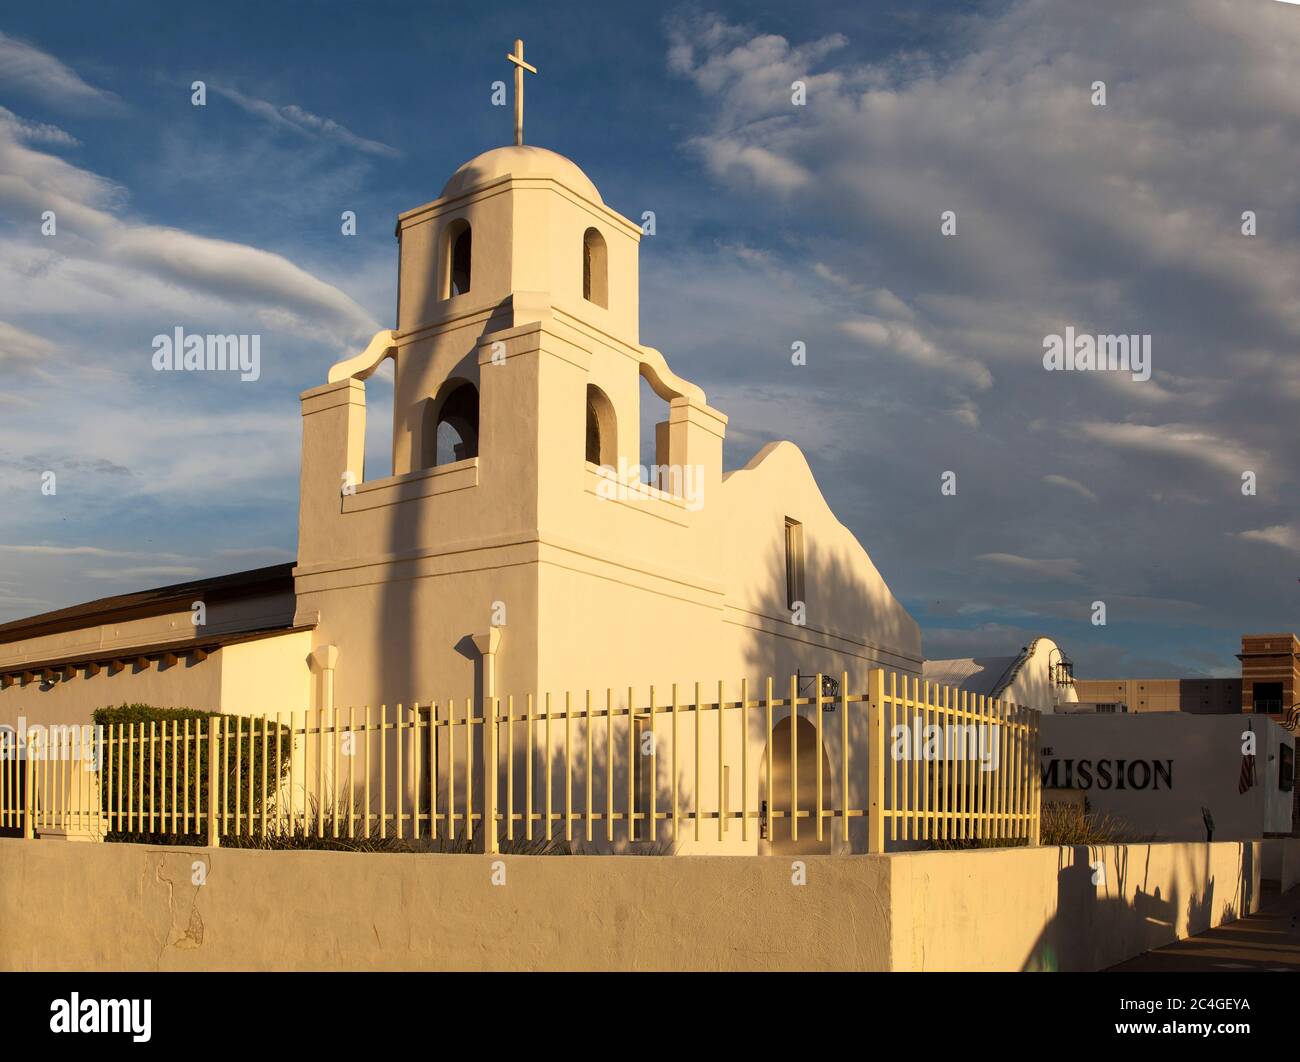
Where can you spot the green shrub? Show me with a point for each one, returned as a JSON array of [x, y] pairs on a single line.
[[158, 799]]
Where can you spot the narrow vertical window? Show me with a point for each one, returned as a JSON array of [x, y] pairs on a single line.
[[459, 246], [594, 268], [793, 562], [602, 442], [593, 431]]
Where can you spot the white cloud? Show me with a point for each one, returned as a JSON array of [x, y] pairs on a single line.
[[1118, 219], [179, 573], [20, 349], [728, 156], [1279, 535], [175, 454], [36, 132], [1070, 484], [1183, 441], [84, 551], [965, 412], [901, 338], [235, 272], [210, 459], [1060, 570], [63, 551], [90, 231], [292, 117], [26, 69], [752, 73]]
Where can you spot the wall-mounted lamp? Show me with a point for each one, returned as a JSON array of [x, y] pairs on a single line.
[[830, 688], [1061, 672]]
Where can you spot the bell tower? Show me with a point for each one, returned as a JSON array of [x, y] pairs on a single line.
[[517, 375]]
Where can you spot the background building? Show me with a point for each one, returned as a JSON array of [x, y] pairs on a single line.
[[1270, 677], [1270, 670], [1211, 696], [1270, 666], [1039, 676]]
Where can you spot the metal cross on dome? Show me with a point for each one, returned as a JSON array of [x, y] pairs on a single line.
[[520, 66]]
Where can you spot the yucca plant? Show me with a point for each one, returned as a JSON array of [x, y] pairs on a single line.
[[1072, 824]]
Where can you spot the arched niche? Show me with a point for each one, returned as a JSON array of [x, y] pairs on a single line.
[[602, 428], [595, 268]]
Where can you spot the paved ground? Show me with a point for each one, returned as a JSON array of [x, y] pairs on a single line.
[[1265, 942]]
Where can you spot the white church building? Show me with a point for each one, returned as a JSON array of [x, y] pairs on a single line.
[[515, 549]]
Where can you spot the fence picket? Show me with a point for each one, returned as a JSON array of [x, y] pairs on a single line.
[[677, 811], [844, 757], [510, 767], [631, 766], [528, 773], [352, 764], [590, 763], [469, 767], [549, 787], [699, 790], [489, 770], [744, 760], [383, 771], [433, 770], [821, 741], [451, 770], [794, 758], [609, 763], [722, 770], [652, 775], [568, 767]]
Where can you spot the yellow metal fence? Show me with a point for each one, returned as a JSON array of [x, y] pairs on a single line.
[[905, 761]]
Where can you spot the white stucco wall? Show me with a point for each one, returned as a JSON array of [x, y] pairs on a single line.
[[1201, 756], [1023, 678]]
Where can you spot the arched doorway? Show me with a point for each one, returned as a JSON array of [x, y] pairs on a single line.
[[779, 840]]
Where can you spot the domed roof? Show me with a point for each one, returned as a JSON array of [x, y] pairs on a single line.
[[520, 161]]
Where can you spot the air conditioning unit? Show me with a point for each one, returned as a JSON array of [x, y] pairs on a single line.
[[1092, 708]]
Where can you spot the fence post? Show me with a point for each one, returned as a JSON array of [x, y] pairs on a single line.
[[489, 644], [214, 831], [876, 760]]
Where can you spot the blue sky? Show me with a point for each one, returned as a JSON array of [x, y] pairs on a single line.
[[819, 224]]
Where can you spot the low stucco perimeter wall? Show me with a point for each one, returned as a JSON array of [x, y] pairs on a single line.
[[66, 906], [1077, 908], [1282, 861]]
